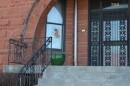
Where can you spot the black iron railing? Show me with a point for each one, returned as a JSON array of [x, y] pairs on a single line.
[[29, 74], [20, 50]]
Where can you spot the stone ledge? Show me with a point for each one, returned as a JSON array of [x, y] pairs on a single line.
[[17, 68], [12, 68]]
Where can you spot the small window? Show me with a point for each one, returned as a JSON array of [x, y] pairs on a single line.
[[55, 26], [56, 14]]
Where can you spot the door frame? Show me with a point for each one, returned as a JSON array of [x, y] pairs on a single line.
[[89, 33]]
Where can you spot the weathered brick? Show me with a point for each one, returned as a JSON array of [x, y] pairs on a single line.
[[5, 62], [1, 62], [2, 2], [15, 1], [17, 21], [15, 10], [4, 57], [12, 16], [24, 9], [3, 33], [3, 45], [4, 22], [15, 33], [82, 36], [3, 51], [6, 11], [82, 61], [33, 19]]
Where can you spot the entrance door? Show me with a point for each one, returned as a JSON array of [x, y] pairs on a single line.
[[109, 45]]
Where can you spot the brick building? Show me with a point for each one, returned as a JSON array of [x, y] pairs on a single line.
[[105, 46], [89, 32]]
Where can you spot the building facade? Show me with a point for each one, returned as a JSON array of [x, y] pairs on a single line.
[[90, 32]]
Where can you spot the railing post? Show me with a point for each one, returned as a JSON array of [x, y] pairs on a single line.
[[42, 54], [51, 50], [20, 80], [9, 54]]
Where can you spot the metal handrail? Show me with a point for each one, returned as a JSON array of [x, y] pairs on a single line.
[[34, 68]]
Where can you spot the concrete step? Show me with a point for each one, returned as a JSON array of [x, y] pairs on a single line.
[[80, 82], [85, 76], [88, 69], [88, 76]]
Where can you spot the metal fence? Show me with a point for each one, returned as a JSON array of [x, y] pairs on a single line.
[[21, 50], [34, 54], [35, 67]]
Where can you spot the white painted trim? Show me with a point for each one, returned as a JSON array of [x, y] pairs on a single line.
[[75, 34]]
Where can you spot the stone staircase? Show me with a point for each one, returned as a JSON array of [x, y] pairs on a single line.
[[85, 76]]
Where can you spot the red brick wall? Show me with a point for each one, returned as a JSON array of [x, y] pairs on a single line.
[[82, 36], [69, 32], [12, 16]]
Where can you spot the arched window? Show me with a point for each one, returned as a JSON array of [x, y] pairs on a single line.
[[55, 26]]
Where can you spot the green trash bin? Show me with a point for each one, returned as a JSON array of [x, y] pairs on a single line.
[[58, 58]]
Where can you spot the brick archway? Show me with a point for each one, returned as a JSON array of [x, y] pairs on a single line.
[[37, 22], [38, 17]]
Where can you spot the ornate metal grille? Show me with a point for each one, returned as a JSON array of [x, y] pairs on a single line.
[[20, 50], [123, 48], [115, 38], [108, 37], [94, 38]]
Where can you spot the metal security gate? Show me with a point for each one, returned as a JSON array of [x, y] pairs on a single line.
[[109, 41]]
